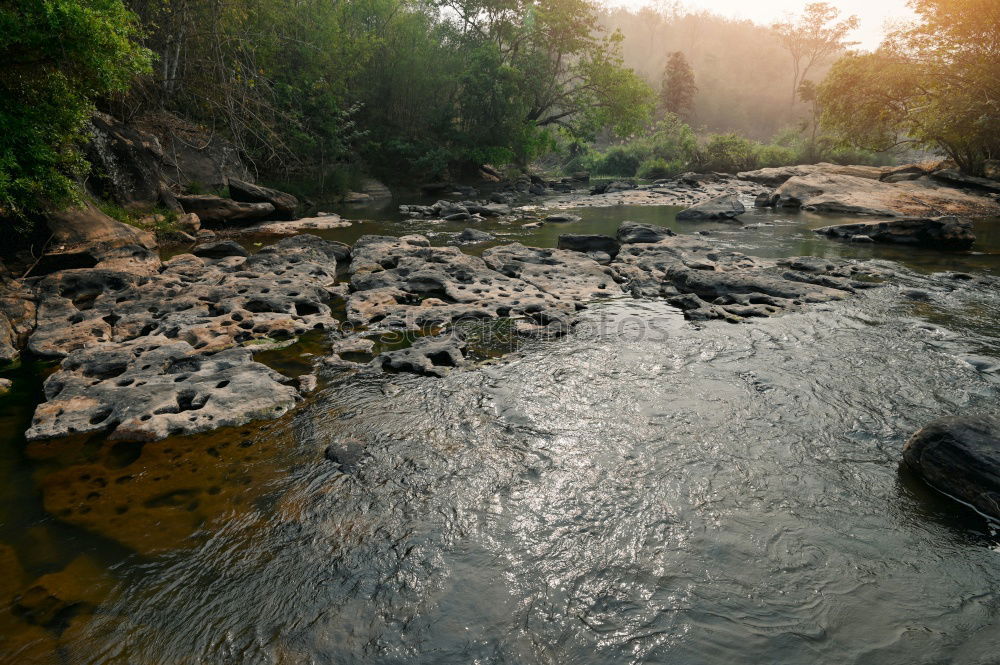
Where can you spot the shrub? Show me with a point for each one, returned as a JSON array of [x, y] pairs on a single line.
[[655, 168], [776, 155], [729, 153], [619, 160]]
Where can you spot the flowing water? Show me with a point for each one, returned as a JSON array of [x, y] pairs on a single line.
[[643, 490]]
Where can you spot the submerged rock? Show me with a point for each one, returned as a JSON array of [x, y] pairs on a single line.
[[726, 206], [474, 235], [960, 456], [563, 218], [934, 232], [430, 356]]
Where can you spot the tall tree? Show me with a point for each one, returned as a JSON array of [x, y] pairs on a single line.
[[813, 37], [809, 93], [935, 83], [678, 88]]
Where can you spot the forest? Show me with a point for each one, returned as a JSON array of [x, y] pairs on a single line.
[[314, 93]]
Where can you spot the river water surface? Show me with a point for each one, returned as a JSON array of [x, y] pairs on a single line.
[[643, 490]]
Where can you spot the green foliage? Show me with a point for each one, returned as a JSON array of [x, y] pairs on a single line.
[[936, 84], [58, 56], [655, 168], [727, 153], [413, 90]]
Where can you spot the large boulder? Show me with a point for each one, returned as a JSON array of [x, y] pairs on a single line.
[[834, 193], [933, 232], [126, 165], [960, 456], [285, 204], [587, 243], [634, 232], [726, 206], [215, 210]]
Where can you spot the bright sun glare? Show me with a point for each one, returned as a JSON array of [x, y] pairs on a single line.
[[873, 14]]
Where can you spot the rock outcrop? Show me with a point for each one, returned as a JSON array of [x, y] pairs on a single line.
[[960, 456], [140, 350], [957, 178], [126, 165], [776, 176], [955, 233], [726, 206], [194, 157], [834, 193], [405, 284]]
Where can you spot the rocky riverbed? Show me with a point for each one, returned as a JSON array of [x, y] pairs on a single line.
[[356, 424]]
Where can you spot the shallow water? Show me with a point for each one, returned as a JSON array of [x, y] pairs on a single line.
[[641, 491]]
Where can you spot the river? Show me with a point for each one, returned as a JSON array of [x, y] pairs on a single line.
[[644, 490]]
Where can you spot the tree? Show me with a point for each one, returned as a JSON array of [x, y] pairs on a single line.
[[570, 75], [813, 37], [58, 57], [935, 83], [809, 94], [677, 90]]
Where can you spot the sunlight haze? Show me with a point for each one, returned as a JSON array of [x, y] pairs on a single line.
[[873, 15]]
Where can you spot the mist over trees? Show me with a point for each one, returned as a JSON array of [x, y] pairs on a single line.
[[319, 91]]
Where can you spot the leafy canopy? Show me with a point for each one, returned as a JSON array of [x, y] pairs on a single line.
[[935, 83]]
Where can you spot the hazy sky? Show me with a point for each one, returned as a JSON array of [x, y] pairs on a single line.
[[873, 13]]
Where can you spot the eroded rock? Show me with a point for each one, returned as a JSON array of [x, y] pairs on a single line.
[[708, 283], [155, 387], [148, 356]]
